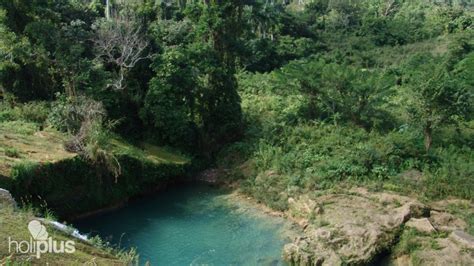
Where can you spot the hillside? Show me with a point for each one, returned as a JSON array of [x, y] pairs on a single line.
[[309, 169], [353, 119]]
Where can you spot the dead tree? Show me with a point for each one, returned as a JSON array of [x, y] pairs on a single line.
[[119, 41]]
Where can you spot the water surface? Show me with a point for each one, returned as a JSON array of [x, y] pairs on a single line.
[[192, 225]]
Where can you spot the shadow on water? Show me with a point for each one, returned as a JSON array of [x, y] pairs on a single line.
[[192, 224]]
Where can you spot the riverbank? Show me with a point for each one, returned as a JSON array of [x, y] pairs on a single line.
[[344, 224], [352, 224], [357, 225], [16, 241], [45, 179], [41, 173]]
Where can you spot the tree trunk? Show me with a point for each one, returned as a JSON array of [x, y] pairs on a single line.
[[107, 9], [428, 131]]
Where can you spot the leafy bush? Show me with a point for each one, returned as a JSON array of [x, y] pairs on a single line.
[[20, 127], [36, 112], [452, 176], [22, 170], [12, 152], [85, 120], [69, 114]]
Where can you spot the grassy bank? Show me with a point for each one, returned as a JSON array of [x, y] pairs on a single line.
[[37, 169], [40, 173], [13, 224]]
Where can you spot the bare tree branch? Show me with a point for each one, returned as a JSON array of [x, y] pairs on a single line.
[[119, 41]]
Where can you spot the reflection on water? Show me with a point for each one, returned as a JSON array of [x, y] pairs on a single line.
[[192, 225]]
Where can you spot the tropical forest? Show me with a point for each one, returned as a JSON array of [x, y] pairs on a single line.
[[237, 132]]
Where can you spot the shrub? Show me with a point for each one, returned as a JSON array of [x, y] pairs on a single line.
[[85, 120], [19, 127], [35, 112], [12, 152], [453, 175], [23, 170]]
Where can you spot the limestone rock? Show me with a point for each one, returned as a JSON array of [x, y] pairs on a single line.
[[6, 199], [422, 225], [302, 207], [353, 228], [447, 252], [463, 238], [446, 222]]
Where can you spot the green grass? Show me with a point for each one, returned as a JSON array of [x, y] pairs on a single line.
[[12, 152], [23, 141], [14, 224], [22, 147], [147, 151]]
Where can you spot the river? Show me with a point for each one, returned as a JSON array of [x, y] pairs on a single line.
[[194, 224]]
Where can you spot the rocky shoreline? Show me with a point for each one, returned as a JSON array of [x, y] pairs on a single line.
[[356, 226]]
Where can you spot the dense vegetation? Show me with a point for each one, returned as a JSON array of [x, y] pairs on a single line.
[[291, 96]]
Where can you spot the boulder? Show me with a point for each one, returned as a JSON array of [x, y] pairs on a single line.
[[451, 250], [446, 222], [463, 239], [421, 225], [6, 199], [353, 228]]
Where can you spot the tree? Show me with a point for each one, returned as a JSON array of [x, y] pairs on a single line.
[[347, 93], [47, 46], [437, 97], [219, 31], [120, 42]]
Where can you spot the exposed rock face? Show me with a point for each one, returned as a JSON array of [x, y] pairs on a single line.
[[352, 229], [463, 238], [6, 199], [457, 249], [446, 222], [422, 225], [354, 226]]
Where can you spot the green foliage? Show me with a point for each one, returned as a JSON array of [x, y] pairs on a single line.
[[408, 243], [69, 114], [21, 170], [92, 185], [437, 97], [452, 175], [170, 103], [35, 112], [195, 78], [340, 92], [295, 146], [84, 120], [12, 152], [46, 48]]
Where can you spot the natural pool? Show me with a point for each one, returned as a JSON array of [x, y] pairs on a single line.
[[193, 225]]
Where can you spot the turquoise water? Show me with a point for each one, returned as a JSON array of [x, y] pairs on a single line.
[[192, 225]]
